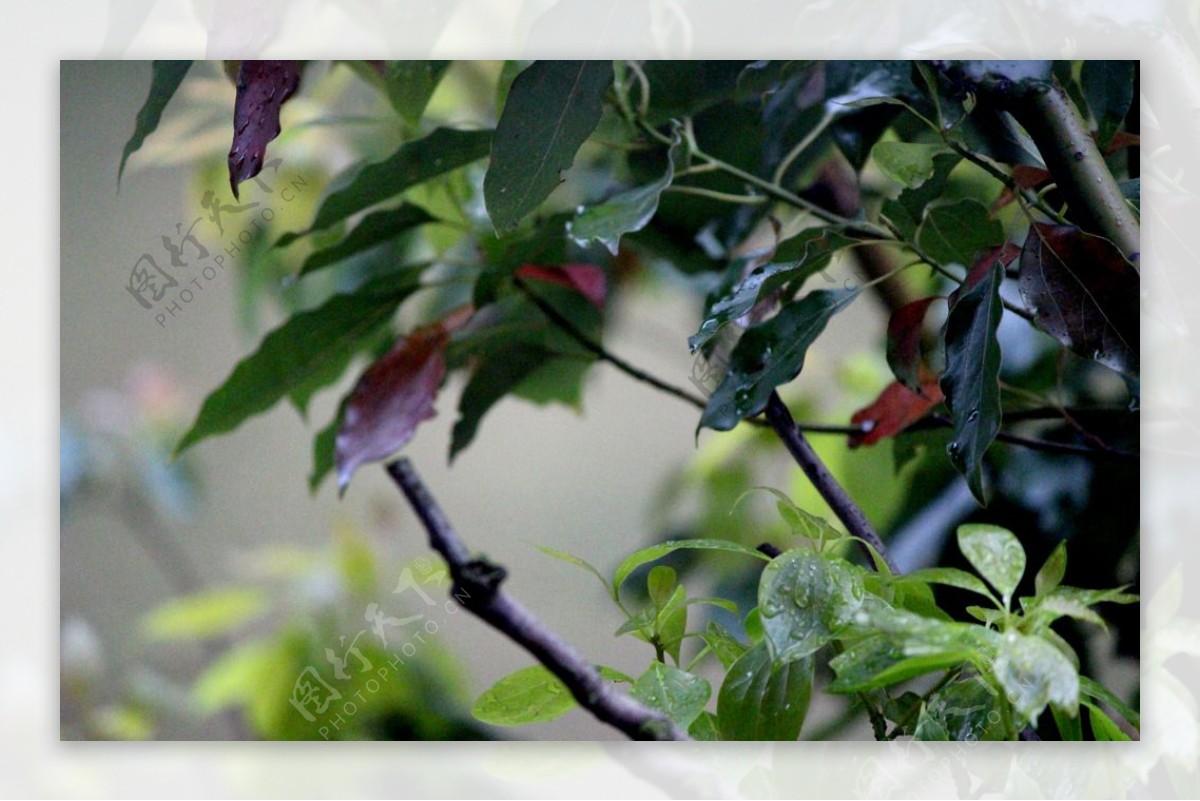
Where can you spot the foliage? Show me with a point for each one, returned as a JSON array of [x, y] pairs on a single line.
[[749, 180]]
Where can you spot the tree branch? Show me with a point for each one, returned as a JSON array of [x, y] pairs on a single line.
[[477, 588], [839, 501]]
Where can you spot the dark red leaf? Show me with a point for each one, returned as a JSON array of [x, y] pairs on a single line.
[[393, 397], [904, 340], [1005, 254], [1122, 139], [262, 87], [896, 408], [1026, 177], [1083, 292], [586, 279]]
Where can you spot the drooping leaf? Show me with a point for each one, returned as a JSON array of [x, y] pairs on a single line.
[[805, 598], [953, 231], [763, 699], [413, 163], [995, 553], [207, 614], [801, 256], [572, 559], [909, 164], [165, 78], [303, 346], [1052, 571], [904, 333], [646, 555], [971, 382], [1083, 292], [1108, 87], [586, 279], [1033, 674], [531, 695], [393, 397], [769, 355], [492, 379], [262, 88], [376, 228], [626, 212], [896, 408], [552, 108], [1090, 688], [679, 695], [1003, 256], [879, 661]]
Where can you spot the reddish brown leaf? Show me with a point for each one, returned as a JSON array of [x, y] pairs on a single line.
[[1005, 254], [896, 408], [586, 279], [393, 397], [1083, 292], [1026, 177], [904, 340], [262, 87], [1122, 139]]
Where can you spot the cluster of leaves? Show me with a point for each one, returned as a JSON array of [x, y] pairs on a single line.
[[998, 674], [716, 171]]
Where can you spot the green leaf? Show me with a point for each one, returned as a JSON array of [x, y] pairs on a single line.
[[206, 614], [494, 378], [625, 212], [762, 699], [880, 661], [965, 711], [234, 678], [771, 354], [802, 523], [1103, 727], [803, 255], [165, 78], [645, 555], [678, 694], [908, 208], [612, 674], [1052, 607], [1053, 570], [953, 231], [929, 728], [971, 382], [552, 108], [443, 150], [995, 553], [951, 577], [705, 727], [660, 584], [1034, 673], [531, 695], [724, 645], [805, 598], [376, 228], [909, 164], [323, 450], [1096, 691], [1069, 726], [1108, 87], [304, 346], [571, 559], [410, 84]]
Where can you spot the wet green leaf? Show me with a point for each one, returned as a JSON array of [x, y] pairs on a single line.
[[763, 699], [996, 554], [646, 555], [724, 645], [769, 355], [1033, 674], [676, 693], [971, 382], [531, 695], [805, 598], [626, 212], [552, 108], [951, 577], [965, 711]]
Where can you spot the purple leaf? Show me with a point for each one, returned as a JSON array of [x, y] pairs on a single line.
[[262, 87]]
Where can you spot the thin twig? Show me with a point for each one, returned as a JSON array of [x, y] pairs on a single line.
[[477, 588], [839, 500]]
